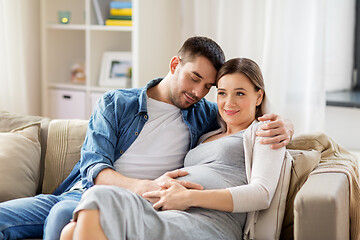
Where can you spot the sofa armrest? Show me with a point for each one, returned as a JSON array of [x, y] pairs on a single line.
[[321, 208]]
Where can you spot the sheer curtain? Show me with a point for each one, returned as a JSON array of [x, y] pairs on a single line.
[[20, 84], [292, 41]]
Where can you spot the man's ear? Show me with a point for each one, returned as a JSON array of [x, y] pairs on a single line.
[[175, 61]]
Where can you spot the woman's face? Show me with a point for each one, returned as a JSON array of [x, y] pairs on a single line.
[[237, 100]]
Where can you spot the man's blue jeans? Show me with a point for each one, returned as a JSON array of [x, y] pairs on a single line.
[[25, 217]]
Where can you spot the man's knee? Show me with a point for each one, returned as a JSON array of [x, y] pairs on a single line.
[[63, 209], [59, 216]]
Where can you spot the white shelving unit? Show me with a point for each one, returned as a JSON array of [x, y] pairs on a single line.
[[153, 39]]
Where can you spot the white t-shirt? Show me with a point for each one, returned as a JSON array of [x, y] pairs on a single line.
[[161, 145]]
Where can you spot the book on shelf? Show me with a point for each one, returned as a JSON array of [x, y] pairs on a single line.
[[120, 17], [112, 22], [120, 4], [121, 11], [120, 14]]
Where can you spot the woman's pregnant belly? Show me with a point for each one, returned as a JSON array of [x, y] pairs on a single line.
[[210, 178]]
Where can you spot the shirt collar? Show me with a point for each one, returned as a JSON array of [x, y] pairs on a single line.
[[142, 97]]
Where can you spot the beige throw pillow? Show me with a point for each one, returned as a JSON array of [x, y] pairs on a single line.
[[20, 153]]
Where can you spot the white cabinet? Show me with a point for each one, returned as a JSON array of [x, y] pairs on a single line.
[[153, 38], [67, 104]]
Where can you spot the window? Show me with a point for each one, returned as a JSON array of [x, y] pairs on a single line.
[[356, 80], [350, 98]]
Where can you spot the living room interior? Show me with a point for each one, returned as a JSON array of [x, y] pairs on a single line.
[[56, 57], [306, 51]]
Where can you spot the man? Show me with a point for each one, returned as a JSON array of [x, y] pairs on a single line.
[[135, 135]]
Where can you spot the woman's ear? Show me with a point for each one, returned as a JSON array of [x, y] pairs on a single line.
[[174, 62], [260, 97]]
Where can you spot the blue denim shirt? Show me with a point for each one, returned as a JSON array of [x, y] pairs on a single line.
[[116, 122]]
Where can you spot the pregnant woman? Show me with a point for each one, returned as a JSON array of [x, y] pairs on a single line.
[[238, 175]]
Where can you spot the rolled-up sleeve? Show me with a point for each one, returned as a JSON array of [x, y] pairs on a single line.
[[98, 150]]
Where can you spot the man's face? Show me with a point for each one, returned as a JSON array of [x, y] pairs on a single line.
[[191, 82]]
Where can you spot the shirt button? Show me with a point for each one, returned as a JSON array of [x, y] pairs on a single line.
[[121, 151], [145, 116], [136, 133]]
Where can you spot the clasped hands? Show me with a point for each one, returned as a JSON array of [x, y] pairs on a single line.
[[172, 194]]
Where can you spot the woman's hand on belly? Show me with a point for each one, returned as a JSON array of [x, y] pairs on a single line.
[[177, 197], [169, 177], [174, 196]]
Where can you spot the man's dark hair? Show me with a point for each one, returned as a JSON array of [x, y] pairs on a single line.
[[202, 46]]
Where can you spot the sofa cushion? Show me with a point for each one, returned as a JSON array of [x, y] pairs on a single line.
[[65, 140], [20, 154], [10, 121]]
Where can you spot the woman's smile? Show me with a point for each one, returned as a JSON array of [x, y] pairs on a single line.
[[231, 112]]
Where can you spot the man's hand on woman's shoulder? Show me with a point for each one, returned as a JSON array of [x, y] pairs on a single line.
[[277, 131]]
